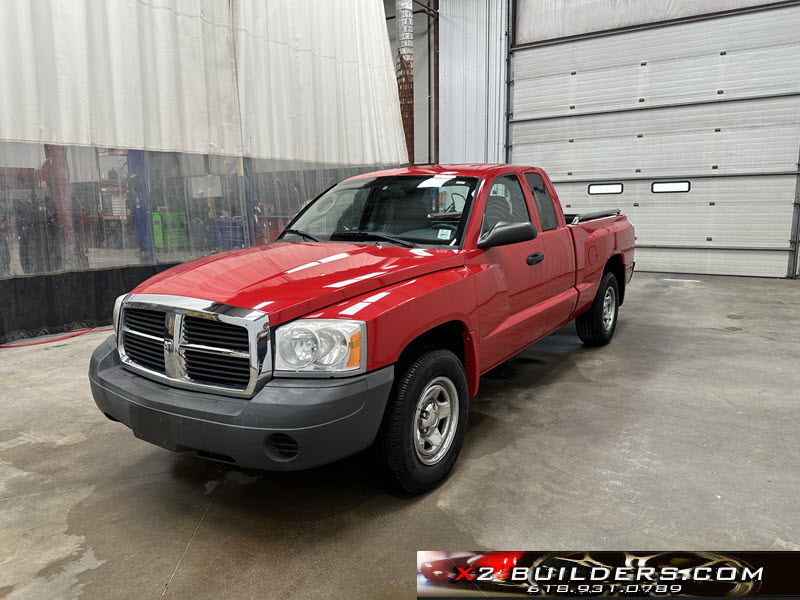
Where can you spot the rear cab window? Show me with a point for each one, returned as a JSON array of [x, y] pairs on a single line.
[[544, 204]]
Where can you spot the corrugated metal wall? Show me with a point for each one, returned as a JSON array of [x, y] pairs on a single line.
[[472, 53], [715, 102]]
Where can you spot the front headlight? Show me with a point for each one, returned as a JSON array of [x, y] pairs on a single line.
[[117, 308], [333, 346]]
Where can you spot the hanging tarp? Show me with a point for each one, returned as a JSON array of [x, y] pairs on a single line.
[[156, 131], [316, 82], [309, 80]]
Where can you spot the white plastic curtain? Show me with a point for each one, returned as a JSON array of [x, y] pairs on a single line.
[[316, 81], [141, 131], [307, 80]]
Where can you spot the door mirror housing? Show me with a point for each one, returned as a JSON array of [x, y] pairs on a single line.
[[505, 233]]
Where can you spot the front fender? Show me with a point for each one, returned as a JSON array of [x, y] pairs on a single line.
[[399, 313]]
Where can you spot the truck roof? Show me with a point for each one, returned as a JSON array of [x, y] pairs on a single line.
[[465, 170]]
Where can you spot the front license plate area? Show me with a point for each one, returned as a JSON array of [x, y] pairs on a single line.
[[153, 426]]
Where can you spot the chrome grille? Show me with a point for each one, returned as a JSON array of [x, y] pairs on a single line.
[[215, 368], [146, 321], [217, 334], [143, 335], [187, 342]]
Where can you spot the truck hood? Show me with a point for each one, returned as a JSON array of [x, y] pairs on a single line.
[[288, 280]]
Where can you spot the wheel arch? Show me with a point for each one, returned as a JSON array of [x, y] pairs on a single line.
[[616, 266], [451, 335]]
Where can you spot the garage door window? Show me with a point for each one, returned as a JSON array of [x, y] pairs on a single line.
[[670, 187], [605, 188], [506, 202], [544, 205]]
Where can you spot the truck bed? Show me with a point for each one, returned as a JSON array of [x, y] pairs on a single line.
[[595, 237]]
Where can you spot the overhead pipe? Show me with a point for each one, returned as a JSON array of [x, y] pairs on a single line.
[[404, 22]]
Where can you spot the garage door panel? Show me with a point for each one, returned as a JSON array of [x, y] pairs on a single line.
[[698, 79], [746, 212], [714, 101], [767, 150], [548, 19], [719, 262], [774, 113], [693, 226], [733, 34], [607, 72], [753, 136]]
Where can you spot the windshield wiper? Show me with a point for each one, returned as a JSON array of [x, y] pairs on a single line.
[[302, 234], [375, 235]]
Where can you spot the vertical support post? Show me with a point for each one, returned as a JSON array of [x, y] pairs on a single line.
[[510, 14], [404, 21], [794, 236], [58, 179], [139, 189], [246, 163], [429, 106], [436, 83]]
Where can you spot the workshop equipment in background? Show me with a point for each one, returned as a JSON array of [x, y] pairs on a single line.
[[170, 231]]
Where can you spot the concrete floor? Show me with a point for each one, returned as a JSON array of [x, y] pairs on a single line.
[[682, 434]]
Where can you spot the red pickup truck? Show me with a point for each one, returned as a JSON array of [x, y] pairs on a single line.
[[368, 323]]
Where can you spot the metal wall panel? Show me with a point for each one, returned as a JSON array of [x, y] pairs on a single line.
[[472, 54], [715, 102]]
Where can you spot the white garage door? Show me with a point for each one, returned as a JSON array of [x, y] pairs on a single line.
[[696, 125]]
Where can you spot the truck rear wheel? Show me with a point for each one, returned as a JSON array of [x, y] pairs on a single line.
[[597, 325], [423, 430]]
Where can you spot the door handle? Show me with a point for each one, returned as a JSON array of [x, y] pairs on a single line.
[[535, 259]]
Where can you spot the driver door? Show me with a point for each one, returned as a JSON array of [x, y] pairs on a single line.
[[511, 291]]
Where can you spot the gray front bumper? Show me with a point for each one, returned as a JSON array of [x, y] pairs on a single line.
[[329, 418]]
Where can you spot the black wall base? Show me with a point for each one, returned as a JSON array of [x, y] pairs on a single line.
[[42, 304]]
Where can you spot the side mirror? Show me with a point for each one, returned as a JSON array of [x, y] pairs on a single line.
[[505, 233]]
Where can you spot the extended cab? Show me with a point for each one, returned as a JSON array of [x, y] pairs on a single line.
[[369, 321]]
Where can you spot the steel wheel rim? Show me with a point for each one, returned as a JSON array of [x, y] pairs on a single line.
[[435, 420], [609, 308]]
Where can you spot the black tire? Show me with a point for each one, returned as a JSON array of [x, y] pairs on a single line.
[[591, 327], [396, 445]]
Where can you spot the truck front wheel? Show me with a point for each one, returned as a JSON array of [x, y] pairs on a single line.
[[597, 325], [423, 430]]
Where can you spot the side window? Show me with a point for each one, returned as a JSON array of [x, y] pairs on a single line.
[[544, 205], [506, 202]]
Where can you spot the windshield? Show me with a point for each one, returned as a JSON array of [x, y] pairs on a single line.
[[428, 210]]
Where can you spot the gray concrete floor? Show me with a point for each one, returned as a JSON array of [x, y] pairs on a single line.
[[682, 434]]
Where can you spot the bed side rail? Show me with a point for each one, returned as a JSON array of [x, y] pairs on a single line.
[[574, 219]]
